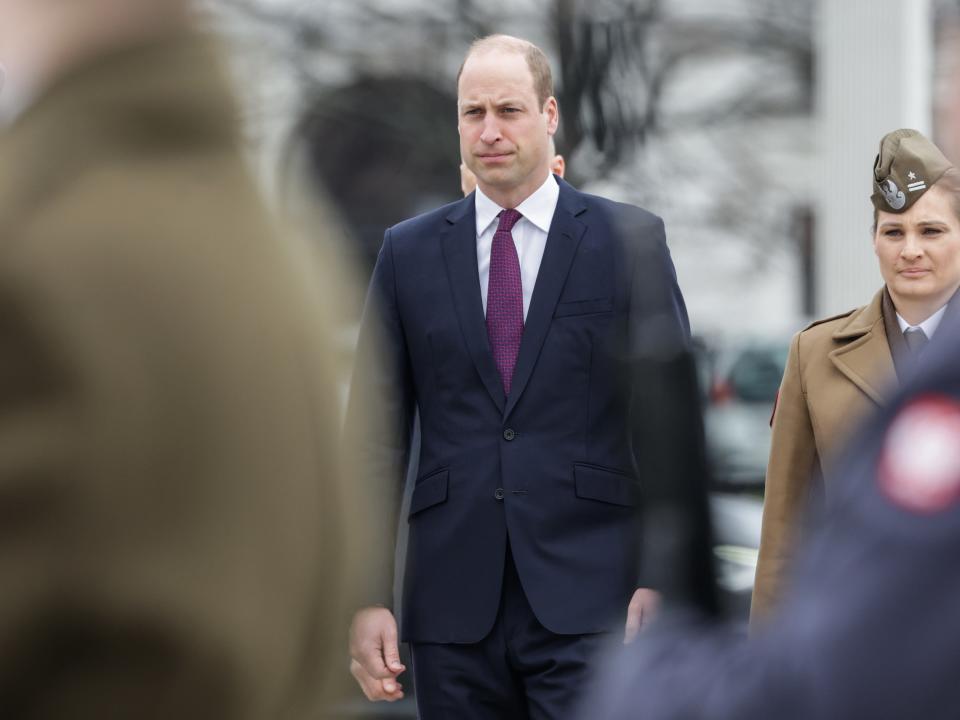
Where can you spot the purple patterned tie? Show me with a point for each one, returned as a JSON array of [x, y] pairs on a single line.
[[505, 299]]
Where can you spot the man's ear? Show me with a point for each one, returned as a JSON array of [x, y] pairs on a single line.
[[552, 111]]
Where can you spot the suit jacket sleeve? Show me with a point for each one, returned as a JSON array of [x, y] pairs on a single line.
[[381, 411], [658, 314], [666, 432], [793, 460]]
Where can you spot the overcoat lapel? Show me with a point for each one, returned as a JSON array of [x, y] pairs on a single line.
[[562, 242], [459, 242], [866, 360]]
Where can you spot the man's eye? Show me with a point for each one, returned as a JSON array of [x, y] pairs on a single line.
[[892, 233], [511, 109], [932, 231]]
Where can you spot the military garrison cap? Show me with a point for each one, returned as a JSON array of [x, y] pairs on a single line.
[[906, 166]]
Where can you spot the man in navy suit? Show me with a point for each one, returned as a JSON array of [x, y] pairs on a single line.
[[510, 320]]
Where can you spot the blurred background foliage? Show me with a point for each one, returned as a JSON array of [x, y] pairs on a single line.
[[668, 104]]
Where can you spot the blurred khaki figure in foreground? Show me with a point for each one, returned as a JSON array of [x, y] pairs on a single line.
[[171, 525]]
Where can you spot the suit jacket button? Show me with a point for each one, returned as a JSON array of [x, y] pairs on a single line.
[[498, 493], [509, 434]]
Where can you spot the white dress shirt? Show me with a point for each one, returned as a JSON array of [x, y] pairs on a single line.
[[529, 235], [929, 326]]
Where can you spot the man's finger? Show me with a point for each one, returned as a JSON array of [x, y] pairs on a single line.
[[370, 686], [391, 650], [634, 621], [370, 655], [642, 608], [371, 658], [392, 689], [374, 688]]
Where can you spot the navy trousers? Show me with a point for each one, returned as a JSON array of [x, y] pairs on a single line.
[[519, 671]]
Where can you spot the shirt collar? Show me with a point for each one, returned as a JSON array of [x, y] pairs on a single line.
[[929, 326], [538, 208]]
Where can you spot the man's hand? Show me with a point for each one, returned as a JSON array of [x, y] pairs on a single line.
[[643, 606], [375, 657]]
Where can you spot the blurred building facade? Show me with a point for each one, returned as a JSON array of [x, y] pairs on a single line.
[[749, 125], [876, 75]]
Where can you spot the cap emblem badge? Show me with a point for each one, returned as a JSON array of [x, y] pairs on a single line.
[[892, 194]]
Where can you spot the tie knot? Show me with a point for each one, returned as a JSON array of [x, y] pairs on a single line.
[[508, 218], [916, 339]]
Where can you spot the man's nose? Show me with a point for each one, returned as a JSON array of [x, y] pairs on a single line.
[[491, 129]]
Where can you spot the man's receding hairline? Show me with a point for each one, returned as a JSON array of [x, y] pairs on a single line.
[[480, 50], [529, 52], [504, 43]]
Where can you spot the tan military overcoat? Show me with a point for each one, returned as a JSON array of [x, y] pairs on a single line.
[[838, 370], [170, 516]]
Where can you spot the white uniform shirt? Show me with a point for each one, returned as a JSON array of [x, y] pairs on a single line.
[[529, 235], [929, 326]]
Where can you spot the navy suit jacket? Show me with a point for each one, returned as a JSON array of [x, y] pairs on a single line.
[[549, 468]]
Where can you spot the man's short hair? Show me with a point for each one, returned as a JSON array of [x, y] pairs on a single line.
[[535, 57]]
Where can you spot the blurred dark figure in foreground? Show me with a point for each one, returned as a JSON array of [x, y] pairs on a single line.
[[870, 629], [169, 508]]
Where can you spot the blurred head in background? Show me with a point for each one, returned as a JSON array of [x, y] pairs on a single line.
[[916, 223], [42, 39]]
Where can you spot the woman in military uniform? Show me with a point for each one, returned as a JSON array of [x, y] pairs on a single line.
[[842, 368]]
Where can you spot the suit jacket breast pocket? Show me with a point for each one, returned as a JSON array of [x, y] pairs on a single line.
[[593, 306]]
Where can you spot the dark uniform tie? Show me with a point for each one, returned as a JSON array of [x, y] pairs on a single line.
[[916, 340]]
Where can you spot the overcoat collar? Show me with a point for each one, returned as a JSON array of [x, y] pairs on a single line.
[[459, 242]]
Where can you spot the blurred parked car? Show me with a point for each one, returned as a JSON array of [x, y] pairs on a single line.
[[736, 519], [746, 378]]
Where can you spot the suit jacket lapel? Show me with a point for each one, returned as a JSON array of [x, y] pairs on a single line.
[[459, 242], [866, 361], [562, 242]]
